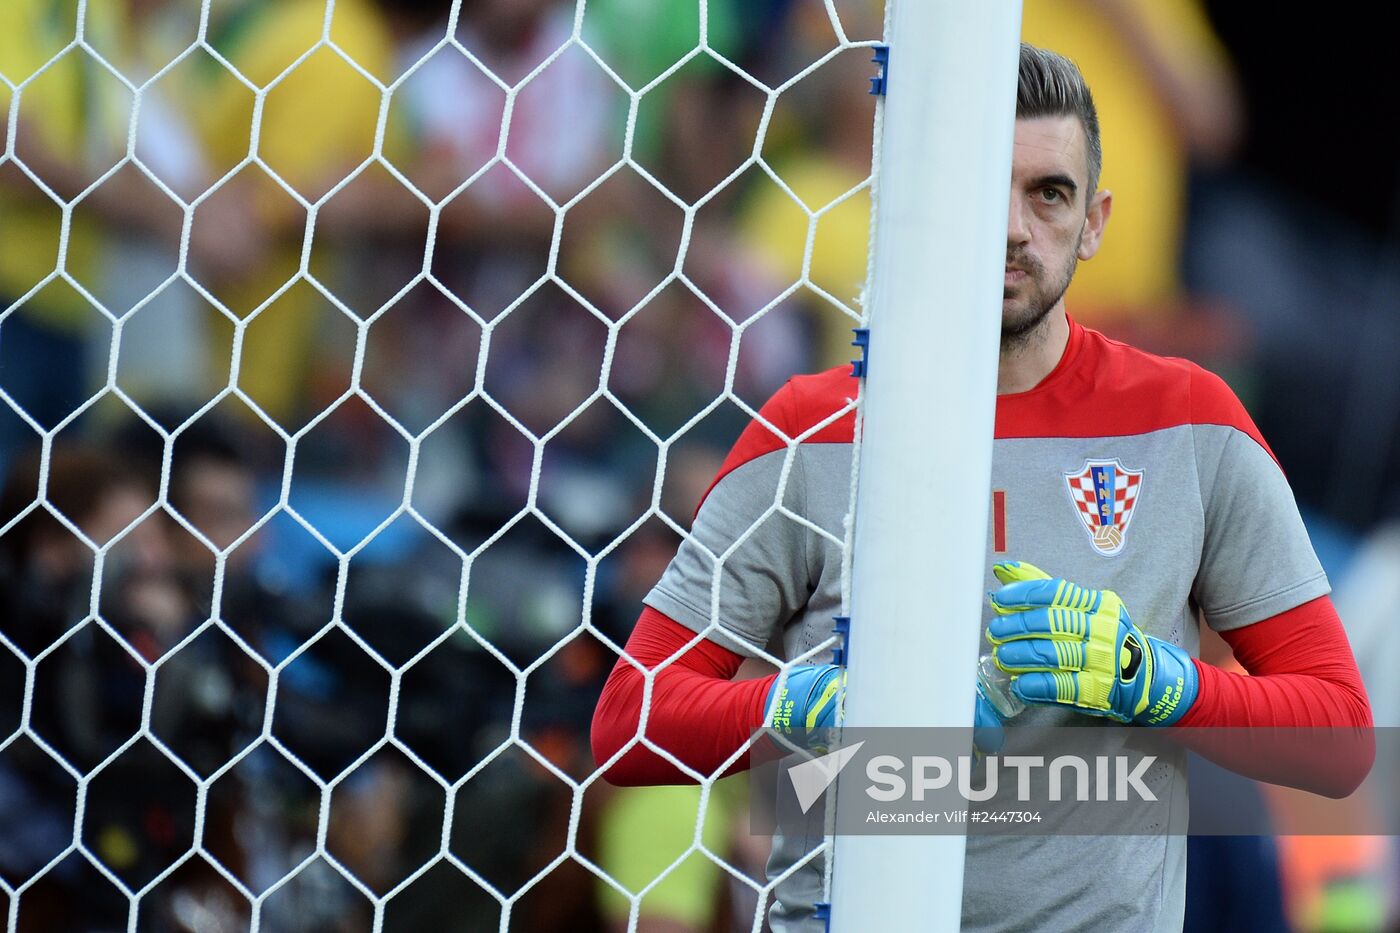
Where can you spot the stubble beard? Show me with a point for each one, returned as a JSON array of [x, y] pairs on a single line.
[[1022, 328]]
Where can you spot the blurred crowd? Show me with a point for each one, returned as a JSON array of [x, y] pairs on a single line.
[[1254, 230]]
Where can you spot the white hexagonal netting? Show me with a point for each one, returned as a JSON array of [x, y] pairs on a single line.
[[361, 365]]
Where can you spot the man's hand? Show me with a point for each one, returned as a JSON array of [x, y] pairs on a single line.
[[809, 699], [1079, 647], [813, 695]]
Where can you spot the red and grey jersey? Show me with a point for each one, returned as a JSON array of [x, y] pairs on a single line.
[[1121, 470]]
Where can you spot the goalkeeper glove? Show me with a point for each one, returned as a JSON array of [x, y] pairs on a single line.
[[809, 699], [1079, 647], [813, 694]]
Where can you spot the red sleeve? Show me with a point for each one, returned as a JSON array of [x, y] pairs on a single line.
[[1304, 688], [1302, 674], [697, 713]]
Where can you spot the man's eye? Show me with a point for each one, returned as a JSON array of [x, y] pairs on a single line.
[[1050, 195]]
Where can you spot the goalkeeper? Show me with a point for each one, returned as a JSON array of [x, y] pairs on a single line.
[[1139, 480]]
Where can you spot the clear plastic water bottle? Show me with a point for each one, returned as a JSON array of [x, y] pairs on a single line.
[[996, 686]]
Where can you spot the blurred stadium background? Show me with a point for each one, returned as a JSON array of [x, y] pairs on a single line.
[[1256, 230]]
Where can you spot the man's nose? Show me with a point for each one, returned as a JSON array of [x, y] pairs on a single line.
[[1018, 231]]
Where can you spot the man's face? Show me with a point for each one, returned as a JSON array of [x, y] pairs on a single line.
[[1054, 221]]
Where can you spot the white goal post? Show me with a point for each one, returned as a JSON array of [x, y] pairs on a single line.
[[942, 189]]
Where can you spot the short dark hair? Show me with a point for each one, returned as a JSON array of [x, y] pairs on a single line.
[[1050, 85]]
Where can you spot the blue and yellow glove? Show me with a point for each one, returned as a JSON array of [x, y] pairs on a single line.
[[809, 699], [812, 697], [1078, 647]]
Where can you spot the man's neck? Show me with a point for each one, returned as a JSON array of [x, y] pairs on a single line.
[[1023, 366]]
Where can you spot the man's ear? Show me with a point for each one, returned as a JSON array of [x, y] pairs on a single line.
[[1095, 220]]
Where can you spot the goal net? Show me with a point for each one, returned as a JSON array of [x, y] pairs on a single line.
[[362, 365]]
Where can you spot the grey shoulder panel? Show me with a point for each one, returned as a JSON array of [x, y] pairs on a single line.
[[747, 552], [1256, 560]]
